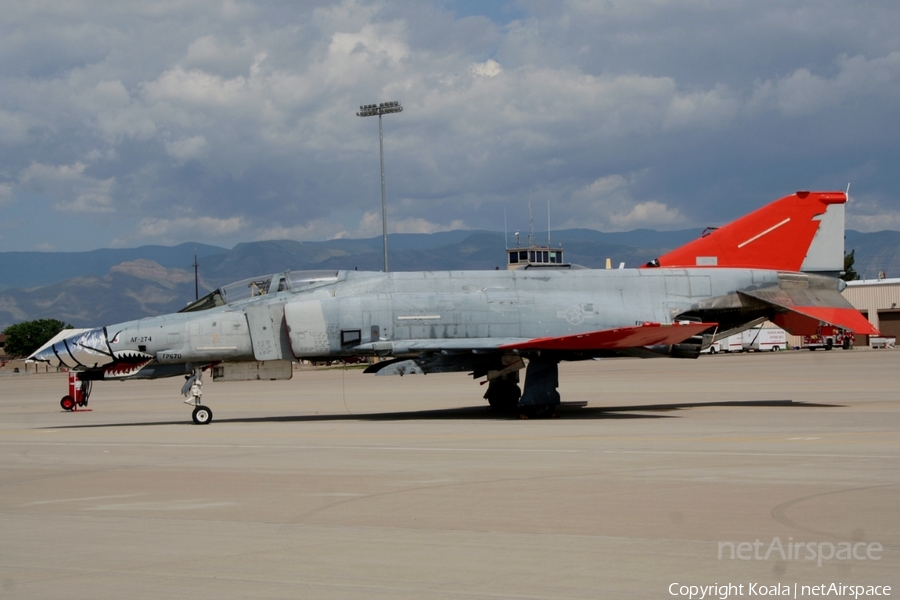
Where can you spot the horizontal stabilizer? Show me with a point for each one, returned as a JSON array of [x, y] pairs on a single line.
[[621, 338], [803, 309]]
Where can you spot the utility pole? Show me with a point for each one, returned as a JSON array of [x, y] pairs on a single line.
[[196, 277], [370, 110]]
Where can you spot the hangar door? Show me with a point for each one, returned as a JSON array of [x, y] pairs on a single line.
[[889, 323]]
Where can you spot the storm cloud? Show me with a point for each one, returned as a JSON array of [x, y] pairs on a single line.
[[158, 121]]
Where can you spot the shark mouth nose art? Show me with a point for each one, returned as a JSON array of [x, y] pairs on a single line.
[[87, 349], [127, 363]]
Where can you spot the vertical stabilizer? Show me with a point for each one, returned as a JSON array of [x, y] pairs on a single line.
[[800, 232], [826, 253]]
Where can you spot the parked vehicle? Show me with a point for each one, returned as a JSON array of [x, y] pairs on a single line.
[[828, 337], [714, 348]]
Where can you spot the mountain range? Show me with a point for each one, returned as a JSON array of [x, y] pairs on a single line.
[[114, 285]]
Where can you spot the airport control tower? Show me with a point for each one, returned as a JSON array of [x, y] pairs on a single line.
[[532, 257]]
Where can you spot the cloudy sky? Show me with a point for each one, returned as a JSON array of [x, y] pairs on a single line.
[[164, 121]]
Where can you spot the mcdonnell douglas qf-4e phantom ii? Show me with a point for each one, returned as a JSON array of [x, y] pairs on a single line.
[[779, 263]]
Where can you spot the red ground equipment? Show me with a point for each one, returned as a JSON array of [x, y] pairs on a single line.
[[79, 391], [829, 337]]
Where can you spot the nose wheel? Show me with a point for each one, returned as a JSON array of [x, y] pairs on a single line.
[[201, 415]]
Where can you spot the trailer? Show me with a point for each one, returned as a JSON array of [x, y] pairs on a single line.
[[759, 339], [733, 343]]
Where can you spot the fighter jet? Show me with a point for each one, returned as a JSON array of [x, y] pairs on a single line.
[[779, 263]]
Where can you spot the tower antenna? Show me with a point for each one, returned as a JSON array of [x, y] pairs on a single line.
[[505, 229], [530, 222], [548, 223]]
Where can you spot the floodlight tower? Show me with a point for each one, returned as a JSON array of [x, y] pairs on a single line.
[[370, 110]]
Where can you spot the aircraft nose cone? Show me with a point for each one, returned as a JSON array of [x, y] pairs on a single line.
[[84, 349], [45, 354]]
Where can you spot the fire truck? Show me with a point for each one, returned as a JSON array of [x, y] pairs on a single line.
[[829, 337]]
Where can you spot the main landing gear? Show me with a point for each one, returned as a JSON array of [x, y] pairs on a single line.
[[538, 399], [503, 392], [193, 391]]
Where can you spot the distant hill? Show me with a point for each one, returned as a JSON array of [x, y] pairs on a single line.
[[877, 251], [29, 269], [445, 250], [130, 290], [114, 285]]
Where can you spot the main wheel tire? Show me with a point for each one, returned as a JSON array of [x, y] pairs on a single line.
[[67, 403], [539, 411], [201, 415], [503, 404], [503, 394]]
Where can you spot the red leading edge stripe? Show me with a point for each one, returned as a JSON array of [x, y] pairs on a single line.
[[622, 338]]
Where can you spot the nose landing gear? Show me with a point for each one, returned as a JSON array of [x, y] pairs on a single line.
[[193, 391]]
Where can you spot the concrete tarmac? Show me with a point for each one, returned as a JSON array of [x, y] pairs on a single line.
[[337, 484]]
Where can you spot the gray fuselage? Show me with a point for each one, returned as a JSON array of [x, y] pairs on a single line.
[[355, 313]]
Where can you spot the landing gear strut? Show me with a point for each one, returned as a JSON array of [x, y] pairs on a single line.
[[539, 398], [193, 391]]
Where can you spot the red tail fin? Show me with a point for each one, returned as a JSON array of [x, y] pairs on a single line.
[[800, 232]]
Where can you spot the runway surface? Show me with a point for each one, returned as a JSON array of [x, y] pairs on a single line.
[[337, 484]]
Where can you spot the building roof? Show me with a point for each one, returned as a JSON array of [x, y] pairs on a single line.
[[893, 281]]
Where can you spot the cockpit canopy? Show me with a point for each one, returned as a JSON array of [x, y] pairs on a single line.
[[260, 286]]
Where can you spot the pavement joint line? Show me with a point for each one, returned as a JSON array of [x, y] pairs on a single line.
[[285, 447], [427, 449], [785, 454]]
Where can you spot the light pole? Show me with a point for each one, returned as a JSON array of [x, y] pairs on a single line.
[[370, 110]]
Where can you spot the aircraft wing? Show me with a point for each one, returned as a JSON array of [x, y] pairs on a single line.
[[620, 338], [800, 310], [447, 354]]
